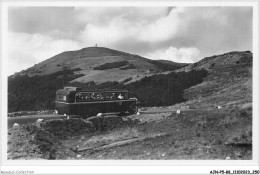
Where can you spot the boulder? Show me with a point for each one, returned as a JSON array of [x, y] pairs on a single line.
[[99, 114], [16, 125], [39, 123]]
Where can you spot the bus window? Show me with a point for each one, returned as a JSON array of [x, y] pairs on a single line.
[[78, 97], [100, 97], [106, 95], [61, 97], [93, 96], [120, 96], [87, 97], [113, 96], [126, 95], [82, 97]]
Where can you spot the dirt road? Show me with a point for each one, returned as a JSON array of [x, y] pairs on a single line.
[[22, 120], [166, 111]]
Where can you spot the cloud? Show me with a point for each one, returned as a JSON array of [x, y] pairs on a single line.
[[164, 28], [103, 15], [181, 34], [181, 55], [28, 49], [117, 30], [135, 24], [191, 25], [215, 30], [41, 19]]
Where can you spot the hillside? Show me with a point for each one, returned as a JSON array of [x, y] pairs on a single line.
[[34, 88], [229, 80], [215, 120], [213, 62], [100, 65]]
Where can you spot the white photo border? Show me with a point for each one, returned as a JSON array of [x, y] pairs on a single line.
[[62, 166]]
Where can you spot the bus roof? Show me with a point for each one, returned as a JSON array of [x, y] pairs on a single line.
[[66, 90]]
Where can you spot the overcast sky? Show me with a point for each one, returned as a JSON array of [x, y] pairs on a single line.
[[179, 34]]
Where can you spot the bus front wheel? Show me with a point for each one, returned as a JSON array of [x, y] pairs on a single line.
[[133, 109]]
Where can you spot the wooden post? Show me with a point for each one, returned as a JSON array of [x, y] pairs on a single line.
[[178, 112]]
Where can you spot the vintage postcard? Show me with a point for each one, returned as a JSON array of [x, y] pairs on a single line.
[[130, 83]]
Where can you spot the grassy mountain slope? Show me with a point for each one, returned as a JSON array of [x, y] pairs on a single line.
[[230, 58], [100, 64], [34, 88], [229, 81]]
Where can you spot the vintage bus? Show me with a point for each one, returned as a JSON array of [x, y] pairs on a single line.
[[86, 103]]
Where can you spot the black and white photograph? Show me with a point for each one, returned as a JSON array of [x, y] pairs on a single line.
[[129, 82]]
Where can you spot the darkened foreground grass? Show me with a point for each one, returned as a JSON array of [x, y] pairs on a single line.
[[198, 134], [202, 134]]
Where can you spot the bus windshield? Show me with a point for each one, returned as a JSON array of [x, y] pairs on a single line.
[[60, 97]]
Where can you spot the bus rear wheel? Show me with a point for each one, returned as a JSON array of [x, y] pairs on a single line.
[[93, 112], [133, 109]]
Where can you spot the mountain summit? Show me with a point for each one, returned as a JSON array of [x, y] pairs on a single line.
[[100, 65]]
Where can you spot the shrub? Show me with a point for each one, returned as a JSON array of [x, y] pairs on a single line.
[[128, 79], [38, 92]]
